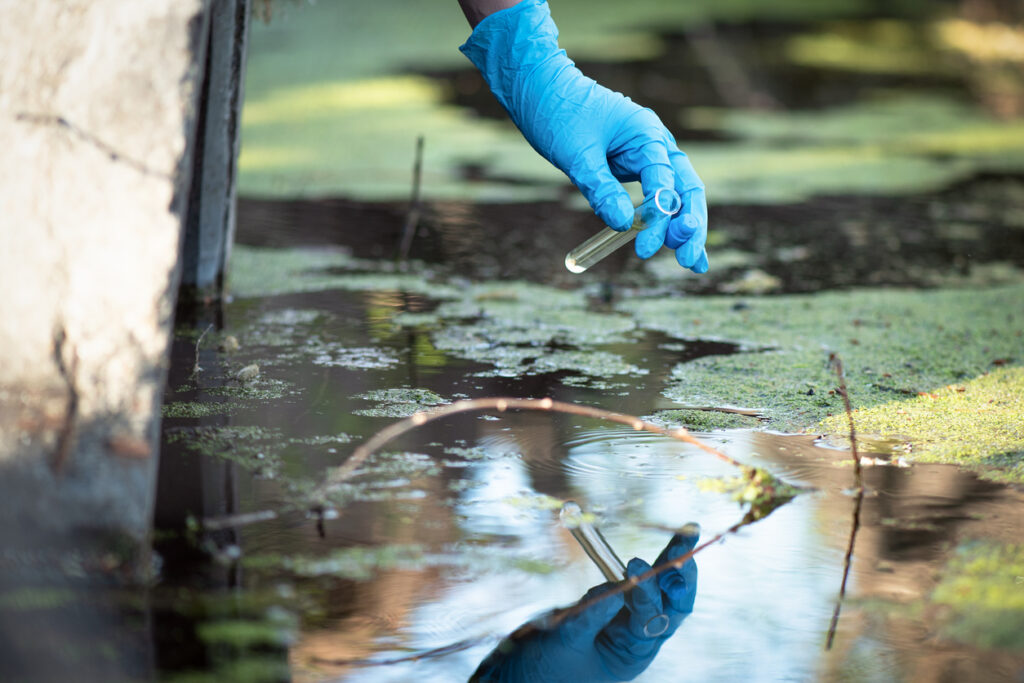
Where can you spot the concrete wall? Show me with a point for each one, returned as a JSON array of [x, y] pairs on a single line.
[[98, 102]]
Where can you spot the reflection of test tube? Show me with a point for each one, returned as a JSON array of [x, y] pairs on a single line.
[[660, 205], [592, 542]]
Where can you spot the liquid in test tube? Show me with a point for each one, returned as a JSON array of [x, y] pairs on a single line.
[[660, 205], [593, 542]]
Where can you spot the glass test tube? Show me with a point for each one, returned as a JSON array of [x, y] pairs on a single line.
[[592, 542], [660, 205]]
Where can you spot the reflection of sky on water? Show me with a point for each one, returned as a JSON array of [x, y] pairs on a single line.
[[765, 594]]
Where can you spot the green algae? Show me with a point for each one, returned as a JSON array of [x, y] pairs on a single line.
[[259, 271], [975, 423], [357, 563], [258, 389], [256, 449], [323, 439], [893, 344], [196, 409], [241, 634], [756, 489], [334, 355], [319, 82], [523, 329], [878, 47], [701, 420], [982, 589], [399, 402], [474, 453], [894, 145], [389, 467]]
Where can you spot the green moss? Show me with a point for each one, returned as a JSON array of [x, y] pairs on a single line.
[[976, 423], [983, 589], [893, 344]]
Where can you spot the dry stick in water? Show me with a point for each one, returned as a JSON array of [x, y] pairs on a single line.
[[348, 469], [359, 455], [859, 481], [412, 219]]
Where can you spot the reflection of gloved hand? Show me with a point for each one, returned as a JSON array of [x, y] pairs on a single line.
[[613, 639], [596, 136]]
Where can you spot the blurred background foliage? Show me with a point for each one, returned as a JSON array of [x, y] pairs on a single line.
[[775, 102]]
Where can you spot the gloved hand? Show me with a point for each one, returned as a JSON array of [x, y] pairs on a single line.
[[613, 639], [598, 137]]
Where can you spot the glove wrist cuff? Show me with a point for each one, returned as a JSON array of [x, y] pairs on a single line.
[[513, 43]]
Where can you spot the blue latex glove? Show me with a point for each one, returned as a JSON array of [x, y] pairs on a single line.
[[597, 137], [607, 641]]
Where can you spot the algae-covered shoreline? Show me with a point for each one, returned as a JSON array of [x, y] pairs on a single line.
[[903, 350]]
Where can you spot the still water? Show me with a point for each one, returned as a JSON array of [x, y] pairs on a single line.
[[450, 539]]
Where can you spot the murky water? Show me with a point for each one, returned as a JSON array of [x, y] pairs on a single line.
[[450, 538]]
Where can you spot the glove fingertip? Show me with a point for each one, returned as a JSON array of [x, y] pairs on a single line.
[[685, 255], [649, 242], [616, 212], [702, 265]]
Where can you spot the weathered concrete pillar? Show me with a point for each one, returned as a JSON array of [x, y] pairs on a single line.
[[210, 228], [97, 102]]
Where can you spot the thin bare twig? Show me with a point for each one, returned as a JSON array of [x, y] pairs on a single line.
[[412, 219], [195, 367], [457, 646], [855, 526]]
